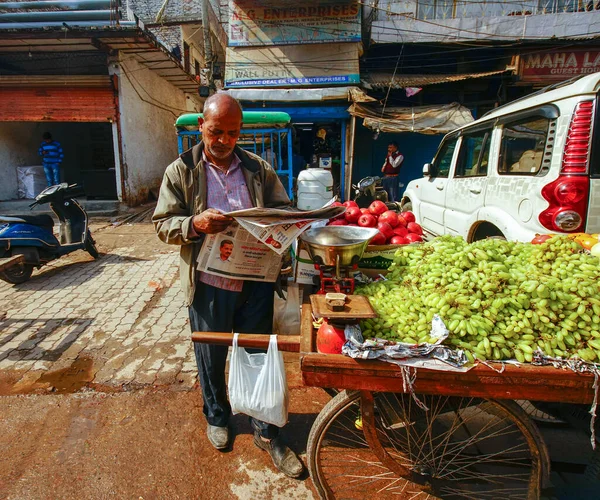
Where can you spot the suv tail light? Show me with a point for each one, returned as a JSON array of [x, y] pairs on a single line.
[[568, 194], [577, 145], [568, 199]]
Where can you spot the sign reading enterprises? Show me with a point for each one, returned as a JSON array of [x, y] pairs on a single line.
[[292, 66], [555, 66], [255, 22]]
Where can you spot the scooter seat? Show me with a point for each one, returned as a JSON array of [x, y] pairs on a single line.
[[43, 220]]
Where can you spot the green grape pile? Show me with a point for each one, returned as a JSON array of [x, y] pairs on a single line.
[[499, 299]]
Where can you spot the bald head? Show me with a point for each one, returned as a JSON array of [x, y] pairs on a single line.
[[221, 128], [222, 105]]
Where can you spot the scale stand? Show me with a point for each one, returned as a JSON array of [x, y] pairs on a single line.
[[336, 279]]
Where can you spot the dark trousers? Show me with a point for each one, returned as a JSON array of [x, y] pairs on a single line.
[[217, 310], [390, 184]]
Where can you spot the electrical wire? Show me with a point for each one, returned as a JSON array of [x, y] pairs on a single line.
[[336, 31], [164, 108], [391, 81]]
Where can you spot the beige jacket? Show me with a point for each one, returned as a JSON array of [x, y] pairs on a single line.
[[183, 195]]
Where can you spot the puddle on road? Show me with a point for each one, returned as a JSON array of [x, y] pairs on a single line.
[[67, 380]]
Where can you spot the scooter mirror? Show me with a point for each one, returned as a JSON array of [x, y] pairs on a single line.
[[366, 183]]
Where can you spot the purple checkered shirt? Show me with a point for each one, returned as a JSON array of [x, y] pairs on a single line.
[[225, 191]]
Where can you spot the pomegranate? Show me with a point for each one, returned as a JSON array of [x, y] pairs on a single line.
[[399, 240], [390, 217], [540, 238], [413, 238], [352, 214], [367, 220], [413, 227], [378, 239], [400, 231], [330, 339], [402, 221], [377, 207], [408, 216], [385, 229]]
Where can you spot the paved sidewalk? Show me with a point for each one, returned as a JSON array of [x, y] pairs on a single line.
[[98, 376], [115, 322]]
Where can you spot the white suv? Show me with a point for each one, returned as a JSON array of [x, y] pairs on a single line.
[[531, 166]]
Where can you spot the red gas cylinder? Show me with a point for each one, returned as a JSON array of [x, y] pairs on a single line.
[[330, 339]]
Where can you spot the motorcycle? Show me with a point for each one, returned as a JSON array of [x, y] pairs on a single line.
[[32, 235], [370, 189]]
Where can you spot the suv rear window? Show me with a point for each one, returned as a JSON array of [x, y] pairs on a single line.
[[522, 147]]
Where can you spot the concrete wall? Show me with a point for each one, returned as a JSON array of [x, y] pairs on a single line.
[[148, 136], [396, 22], [86, 146]]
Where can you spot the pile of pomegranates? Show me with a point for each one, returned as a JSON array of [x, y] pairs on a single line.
[[394, 228]]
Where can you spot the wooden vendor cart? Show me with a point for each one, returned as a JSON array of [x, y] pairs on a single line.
[[393, 432]]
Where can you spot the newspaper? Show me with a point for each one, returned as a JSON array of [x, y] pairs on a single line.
[[252, 247], [236, 254], [278, 228]]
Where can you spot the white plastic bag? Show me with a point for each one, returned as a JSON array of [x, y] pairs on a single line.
[[257, 384], [286, 312]]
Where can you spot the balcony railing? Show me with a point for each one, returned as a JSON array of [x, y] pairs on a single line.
[[452, 9]]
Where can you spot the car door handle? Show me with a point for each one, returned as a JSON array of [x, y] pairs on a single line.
[[439, 187], [475, 190]]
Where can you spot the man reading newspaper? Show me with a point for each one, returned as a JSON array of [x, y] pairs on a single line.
[[214, 177]]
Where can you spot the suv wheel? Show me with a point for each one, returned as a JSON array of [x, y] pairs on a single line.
[[487, 230]]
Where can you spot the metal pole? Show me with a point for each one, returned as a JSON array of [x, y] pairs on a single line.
[[343, 161], [351, 133], [208, 54]]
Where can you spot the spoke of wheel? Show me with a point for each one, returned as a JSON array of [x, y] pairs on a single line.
[[370, 433], [461, 446], [445, 457]]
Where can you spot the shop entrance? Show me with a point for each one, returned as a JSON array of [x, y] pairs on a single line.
[[88, 149], [318, 144]]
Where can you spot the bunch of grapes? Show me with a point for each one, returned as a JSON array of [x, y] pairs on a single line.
[[499, 299]]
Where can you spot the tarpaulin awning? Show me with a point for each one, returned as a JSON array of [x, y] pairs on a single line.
[[384, 80], [422, 119]]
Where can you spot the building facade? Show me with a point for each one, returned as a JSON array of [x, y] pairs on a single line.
[[106, 89]]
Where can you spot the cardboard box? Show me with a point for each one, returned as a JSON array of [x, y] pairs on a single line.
[[378, 256], [304, 268]]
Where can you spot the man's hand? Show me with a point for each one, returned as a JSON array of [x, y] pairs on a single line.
[[211, 221]]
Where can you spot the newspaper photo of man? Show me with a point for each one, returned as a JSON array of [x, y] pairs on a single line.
[[225, 250]]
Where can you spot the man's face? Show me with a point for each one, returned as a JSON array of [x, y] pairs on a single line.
[[226, 250], [220, 132], [392, 149]]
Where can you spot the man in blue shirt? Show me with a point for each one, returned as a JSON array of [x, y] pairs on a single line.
[[52, 155]]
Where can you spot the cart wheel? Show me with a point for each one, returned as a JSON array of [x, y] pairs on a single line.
[[540, 412], [340, 462], [459, 448]]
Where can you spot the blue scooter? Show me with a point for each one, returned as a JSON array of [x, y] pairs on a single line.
[[32, 235]]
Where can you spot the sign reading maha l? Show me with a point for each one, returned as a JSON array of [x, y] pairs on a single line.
[[559, 65]]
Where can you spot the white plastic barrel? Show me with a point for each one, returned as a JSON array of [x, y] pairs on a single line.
[[315, 188]]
